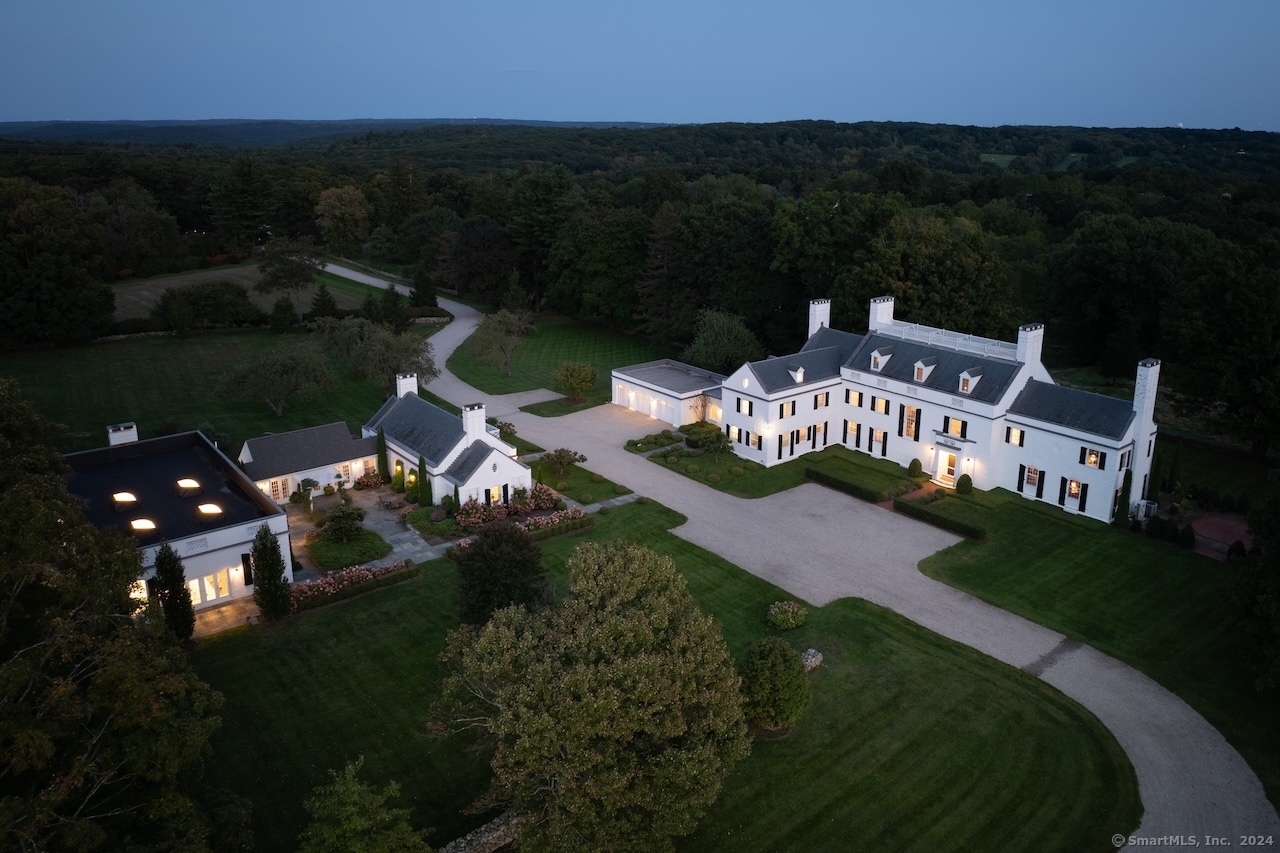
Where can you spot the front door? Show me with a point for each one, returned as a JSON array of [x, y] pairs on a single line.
[[948, 472]]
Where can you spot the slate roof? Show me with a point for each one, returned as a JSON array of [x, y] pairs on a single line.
[[1073, 408], [846, 342], [774, 374], [418, 426], [305, 449], [468, 462], [945, 376], [674, 376]]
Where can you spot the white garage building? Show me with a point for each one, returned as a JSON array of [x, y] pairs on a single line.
[[670, 391]]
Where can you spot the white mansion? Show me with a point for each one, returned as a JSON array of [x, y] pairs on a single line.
[[959, 403]]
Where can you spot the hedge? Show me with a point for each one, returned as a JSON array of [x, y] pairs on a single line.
[[929, 515], [388, 579], [858, 490]]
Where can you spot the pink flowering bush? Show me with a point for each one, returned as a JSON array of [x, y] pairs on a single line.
[[542, 522], [337, 582], [475, 514]]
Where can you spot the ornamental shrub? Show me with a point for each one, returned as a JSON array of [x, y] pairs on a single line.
[[964, 485], [713, 477], [586, 498], [397, 482], [597, 478], [1171, 531], [915, 469], [775, 687], [411, 493], [693, 469], [1187, 537], [1155, 527], [620, 489], [736, 471], [562, 486], [345, 523], [604, 510], [786, 615], [671, 460]]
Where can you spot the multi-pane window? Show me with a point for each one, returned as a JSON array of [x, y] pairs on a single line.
[[919, 374], [786, 409], [745, 406], [1093, 458], [853, 398], [880, 404], [964, 384], [1013, 435], [1033, 477], [822, 400], [1073, 490], [956, 427]]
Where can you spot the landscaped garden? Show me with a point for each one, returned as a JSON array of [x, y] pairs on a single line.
[[911, 741], [554, 341], [577, 483], [1158, 607]]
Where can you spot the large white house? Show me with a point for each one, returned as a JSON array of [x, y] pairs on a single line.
[[182, 490], [961, 404], [459, 453]]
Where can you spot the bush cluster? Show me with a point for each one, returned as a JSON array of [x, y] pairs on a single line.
[[786, 615], [346, 583], [368, 481], [475, 514], [775, 686]]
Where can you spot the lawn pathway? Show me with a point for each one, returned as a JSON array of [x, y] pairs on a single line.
[[821, 545]]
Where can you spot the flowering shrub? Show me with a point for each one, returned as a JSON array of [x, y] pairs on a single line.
[[368, 481], [542, 522], [474, 514], [335, 583], [785, 615], [404, 513]]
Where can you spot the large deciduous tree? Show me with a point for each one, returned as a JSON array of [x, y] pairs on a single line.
[[595, 263], [615, 717], [373, 351], [350, 816], [723, 343], [270, 585], [502, 566], [175, 598], [103, 726], [288, 265], [498, 337], [343, 216], [292, 372], [575, 380]]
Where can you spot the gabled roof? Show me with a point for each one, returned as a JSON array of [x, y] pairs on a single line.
[[418, 427], [305, 449], [776, 374], [996, 373], [468, 462], [1069, 407], [825, 337]]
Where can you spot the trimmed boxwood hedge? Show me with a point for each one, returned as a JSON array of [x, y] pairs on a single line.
[[388, 579], [929, 515], [847, 486]]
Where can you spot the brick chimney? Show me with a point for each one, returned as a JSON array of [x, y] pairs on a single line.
[[406, 383], [473, 422], [819, 315], [881, 315]]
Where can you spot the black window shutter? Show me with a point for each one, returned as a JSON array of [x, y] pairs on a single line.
[[915, 429], [847, 396], [246, 563], [759, 443], [825, 429], [1083, 451], [488, 497], [1008, 435], [1022, 434], [782, 410], [727, 430], [860, 406], [506, 496], [946, 423], [873, 401], [1022, 476], [1040, 485], [884, 446], [779, 445], [902, 418], [857, 436], [844, 439], [1084, 494], [964, 429], [1102, 461], [1062, 493], [152, 586]]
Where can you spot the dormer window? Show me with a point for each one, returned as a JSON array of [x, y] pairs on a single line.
[[970, 378], [880, 358], [924, 367], [797, 373]]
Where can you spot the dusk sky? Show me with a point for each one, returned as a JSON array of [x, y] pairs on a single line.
[[1119, 63]]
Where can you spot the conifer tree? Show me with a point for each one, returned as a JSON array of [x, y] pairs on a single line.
[[270, 587], [424, 485], [175, 598], [383, 469]]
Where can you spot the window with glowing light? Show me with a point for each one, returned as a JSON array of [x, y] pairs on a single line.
[[1073, 490]]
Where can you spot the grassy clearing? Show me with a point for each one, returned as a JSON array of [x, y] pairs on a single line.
[[554, 341], [581, 485], [330, 555], [1001, 160], [1153, 605], [911, 743]]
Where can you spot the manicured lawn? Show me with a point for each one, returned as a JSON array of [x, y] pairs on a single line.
[[170, 382], [330, 555], [554, 341], [912, 741], [1151, 604], [580, 484]]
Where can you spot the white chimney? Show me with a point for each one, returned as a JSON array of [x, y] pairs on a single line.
[[406, 383], [881, 313], [122, 434], [473, 422], [819, 315], [1144, 391], [1030, 343]]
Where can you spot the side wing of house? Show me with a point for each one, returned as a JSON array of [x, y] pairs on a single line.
[[327, 454]]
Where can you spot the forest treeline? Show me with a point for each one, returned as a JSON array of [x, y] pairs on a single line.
[[1128, 243]]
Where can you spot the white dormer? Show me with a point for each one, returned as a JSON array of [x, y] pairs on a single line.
[[880, 358], [797, 373], [968, 379], [923, 368]]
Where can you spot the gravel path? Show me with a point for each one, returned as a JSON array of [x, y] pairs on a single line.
[[820, 545]]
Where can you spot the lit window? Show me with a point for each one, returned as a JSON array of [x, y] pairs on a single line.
[[964, 385], [880, 404], [142, 525], [1033, 477], [787, 409], [1073, 490], [495, 494], [1015, 436], [821, 401], [956, 427], [909, 422], [875, 362], [919, 374], [1093, 458]]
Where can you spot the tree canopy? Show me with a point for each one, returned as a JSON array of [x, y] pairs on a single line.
[[500, 567], [498, 337], [723, 343], [350, 816], [290, 372], [288, 265], [614, 717]]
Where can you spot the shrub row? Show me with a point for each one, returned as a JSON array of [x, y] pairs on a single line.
[[562, 528], [849, 487], [929, 515], [348, 583]]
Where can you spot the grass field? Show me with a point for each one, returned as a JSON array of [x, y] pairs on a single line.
[[912, 743], [554, 341], [168, 383], [580, 484], [1153, 605]]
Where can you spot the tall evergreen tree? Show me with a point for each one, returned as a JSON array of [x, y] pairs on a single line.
[[384, 469], [270, 587], [323, 304], [175, 598], [424, 484], [1121, 519]]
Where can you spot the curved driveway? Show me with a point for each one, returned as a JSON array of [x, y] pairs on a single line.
[[821, 545]]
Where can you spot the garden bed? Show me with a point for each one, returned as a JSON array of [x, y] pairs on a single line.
[[580, 484], [348, 583], [329, 554]]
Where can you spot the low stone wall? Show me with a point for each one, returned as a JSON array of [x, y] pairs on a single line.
[[494, 835]]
